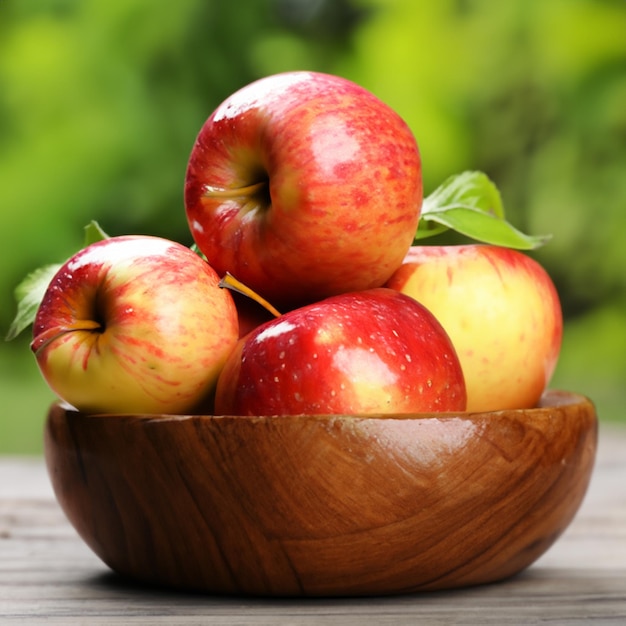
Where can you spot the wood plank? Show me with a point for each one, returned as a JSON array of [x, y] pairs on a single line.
[[47, 575]]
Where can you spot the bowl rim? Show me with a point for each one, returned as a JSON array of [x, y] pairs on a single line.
[[551, 399]]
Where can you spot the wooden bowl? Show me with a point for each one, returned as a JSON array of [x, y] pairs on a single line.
[[323, 505]]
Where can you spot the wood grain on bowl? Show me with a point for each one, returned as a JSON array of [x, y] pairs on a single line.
[[323, 505]]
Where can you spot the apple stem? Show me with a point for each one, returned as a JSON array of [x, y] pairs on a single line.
[[43, 339], [236, 192], [230, 282]]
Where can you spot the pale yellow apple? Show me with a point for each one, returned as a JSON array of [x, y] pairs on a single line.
[[501, 311]]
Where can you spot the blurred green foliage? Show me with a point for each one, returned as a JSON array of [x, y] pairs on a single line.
[[100, 102]]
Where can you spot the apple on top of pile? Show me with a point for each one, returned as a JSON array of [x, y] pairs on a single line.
[[304, 191]]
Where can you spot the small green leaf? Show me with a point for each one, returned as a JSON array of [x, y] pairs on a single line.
[[194, 248], [471, 189], [485, 227], [470, 204], [28, 295], [94, 233], [428, 228]]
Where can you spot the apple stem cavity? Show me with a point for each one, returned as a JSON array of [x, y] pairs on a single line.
[[228, 281]]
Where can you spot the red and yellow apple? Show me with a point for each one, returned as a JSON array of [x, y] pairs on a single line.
[[375, 351], [304, 185], [501, 311], [134, 324]]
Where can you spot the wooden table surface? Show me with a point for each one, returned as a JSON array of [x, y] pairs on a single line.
[[47, 575]]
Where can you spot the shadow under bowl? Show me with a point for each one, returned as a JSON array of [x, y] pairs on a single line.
[[323, 505]]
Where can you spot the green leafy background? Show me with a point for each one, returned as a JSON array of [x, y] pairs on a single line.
[[100, 102]]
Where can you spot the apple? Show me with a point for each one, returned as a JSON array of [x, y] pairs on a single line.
[[134, 324], [304, 185], [502, 312], [375, 351]]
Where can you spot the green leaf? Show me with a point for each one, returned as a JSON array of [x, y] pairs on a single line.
[[470, 189], [485, 227], [428, 228], [28, 295], [94, 233], [194, 248], [470, 204]]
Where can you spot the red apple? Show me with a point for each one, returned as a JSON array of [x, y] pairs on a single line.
[[134, 324], [502, 312], [375, 351], [304, 185]]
